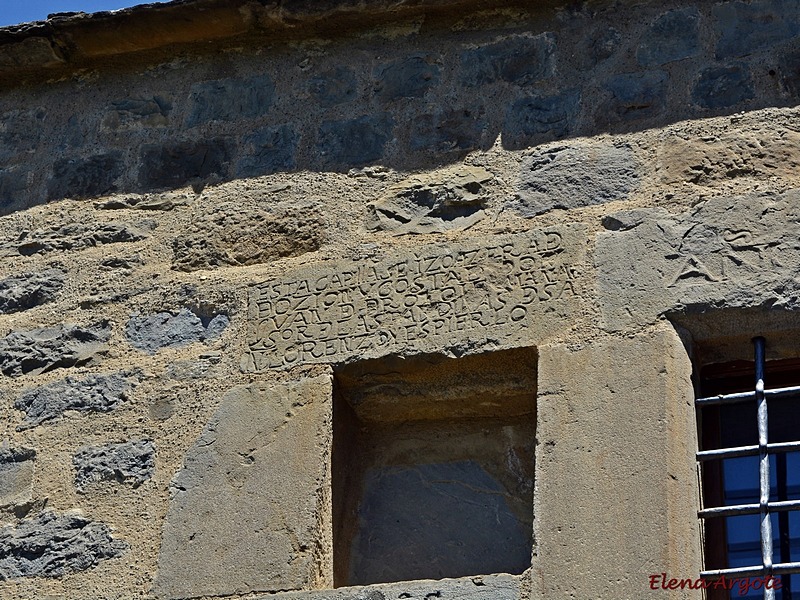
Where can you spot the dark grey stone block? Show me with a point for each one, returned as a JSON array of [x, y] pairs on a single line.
[[85, 177], [448, 129], [354, 142], [530, 119], [516, 59], [230, 99], [138, 112], [575, 176], [53, 545], [20, 132], [336, 86], [675, 35], [16, 475], [40, 350], [743, 28], [596, 45], [722, 87], [634, 96], [178, 164], [14, 188], [130, 462], [409, 77], [21, 292], [789, 72], [269, 150], [96, 393], [76, 236], [167, 330], [431, 521]]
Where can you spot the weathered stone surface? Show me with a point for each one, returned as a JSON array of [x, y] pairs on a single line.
[[21, 292], [267, 151], [230, 99], [450, 199], [618, 501], [163, 201], [232, 235], [85, 177], [96, 393], [130, 462], [40, 350], [448, 130], [254, 480], [336, 86], [789, 70], [20, 131], [75, 236], [732, 252], [32, 51], [519, 59], [16, 475], [743, 28], [575, 176], [169, 330], [53, 545], [132, 113], [408, 77], [181, 163], [455, 298], [596, 45], [13, 187], [721, 87], [458, 506], [484, 587], [634, 96], [675, 35], [354, 142], [765, 152], [529, 119]]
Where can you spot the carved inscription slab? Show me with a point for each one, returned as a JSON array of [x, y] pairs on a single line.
[[727, 252], [500, 290]]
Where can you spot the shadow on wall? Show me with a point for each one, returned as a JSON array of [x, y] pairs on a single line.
[[416, 102]]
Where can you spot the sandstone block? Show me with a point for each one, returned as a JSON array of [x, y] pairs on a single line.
[[16, 475], [574, 176], [230, 99], [54, 545], [21, 292], [245, 512], [675, 35], [86, 177], [721, 87], [409, 77], [743, 28], [519, 59], [739, 252], [269, 150], [335, 86], [130, 462], [96, 393], [529, 119], [458, 298], [354, 142], [484, 587], [181, 163], [449, 199], [167, 330], [39, 350], [232, 234]]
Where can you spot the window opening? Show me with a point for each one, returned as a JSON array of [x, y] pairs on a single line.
[[433, 466], [750, 457]]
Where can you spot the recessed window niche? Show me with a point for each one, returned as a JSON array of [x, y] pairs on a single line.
[[433, 466]]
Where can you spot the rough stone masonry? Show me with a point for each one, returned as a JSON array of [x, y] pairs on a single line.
[[210, 210]]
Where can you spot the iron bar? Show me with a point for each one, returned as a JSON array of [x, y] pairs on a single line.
[[773, 394], [739, 451]]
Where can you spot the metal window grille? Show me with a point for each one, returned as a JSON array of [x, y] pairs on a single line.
[[763, 450]]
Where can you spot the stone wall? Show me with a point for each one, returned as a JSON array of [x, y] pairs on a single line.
[[196, 241]]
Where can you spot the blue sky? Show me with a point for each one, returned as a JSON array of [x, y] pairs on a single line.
[[21, 11]]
